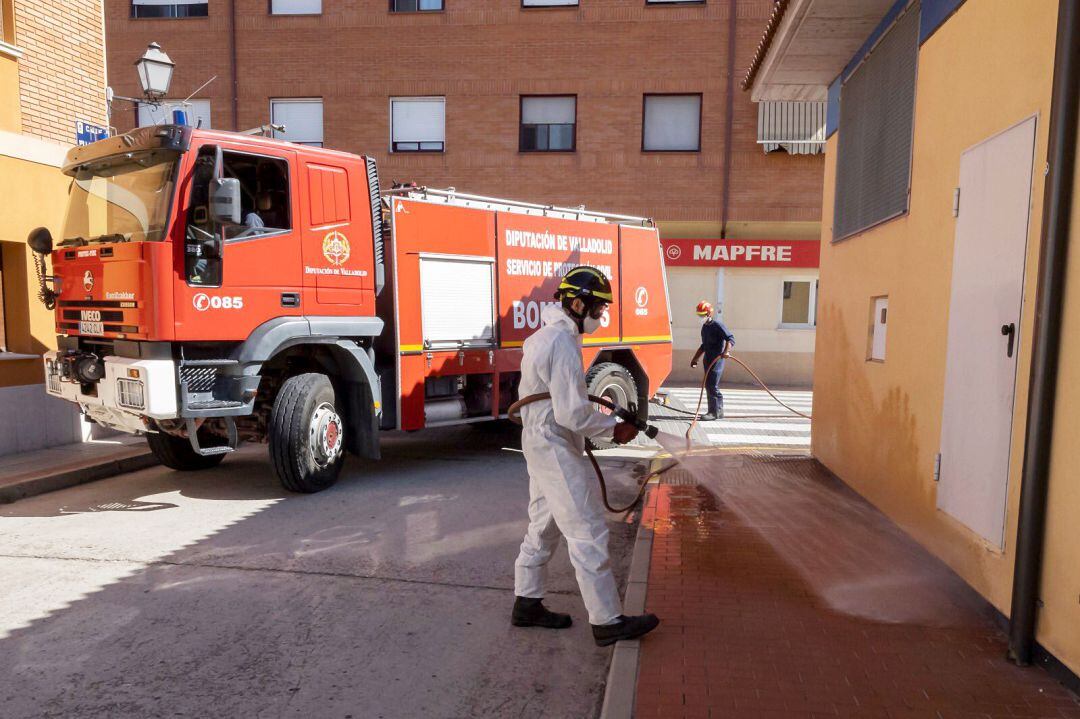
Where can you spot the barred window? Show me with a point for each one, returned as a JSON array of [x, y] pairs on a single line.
[[877, 106]]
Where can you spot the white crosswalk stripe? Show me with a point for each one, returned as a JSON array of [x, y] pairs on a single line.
[[777, 427]]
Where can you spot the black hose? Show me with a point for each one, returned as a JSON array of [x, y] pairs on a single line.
[[514, 415]]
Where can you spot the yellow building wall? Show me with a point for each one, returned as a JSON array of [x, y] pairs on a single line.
[[34, 195], [878, 425], [10, 117], [1059, 619]]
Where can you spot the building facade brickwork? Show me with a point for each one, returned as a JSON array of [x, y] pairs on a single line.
[[609, 53], [62, 70]]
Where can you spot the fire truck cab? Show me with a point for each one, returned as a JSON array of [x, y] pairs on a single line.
[[212, 288]]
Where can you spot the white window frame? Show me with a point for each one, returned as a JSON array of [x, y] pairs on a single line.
[[295, 12], [298, 101], [645, 114], [811, 322], [418, 98], [549, 3], [173, 4]]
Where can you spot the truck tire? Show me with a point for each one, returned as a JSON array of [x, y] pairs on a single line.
[[307, 435], [614, 382], [176, 453]]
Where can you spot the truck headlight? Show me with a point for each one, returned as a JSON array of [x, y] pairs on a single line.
[[129, 393]]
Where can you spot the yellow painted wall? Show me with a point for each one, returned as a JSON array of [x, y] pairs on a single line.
[[1059, 620], [34, 195], [878, 425], [10, 118]]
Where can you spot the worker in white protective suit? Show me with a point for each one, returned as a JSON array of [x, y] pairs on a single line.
[[563, 492]]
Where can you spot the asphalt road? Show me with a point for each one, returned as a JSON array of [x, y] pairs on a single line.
[[217, 594]]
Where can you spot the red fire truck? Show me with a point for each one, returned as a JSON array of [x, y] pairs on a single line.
[[212, 288]]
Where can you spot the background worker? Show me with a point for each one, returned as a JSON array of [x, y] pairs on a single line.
[[716, 342], [562, 492]]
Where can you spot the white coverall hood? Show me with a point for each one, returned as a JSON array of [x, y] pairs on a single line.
[[563, 493]]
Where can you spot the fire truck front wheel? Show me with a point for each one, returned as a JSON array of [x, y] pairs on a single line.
[[176, 453], [307, 436], [613, 382]]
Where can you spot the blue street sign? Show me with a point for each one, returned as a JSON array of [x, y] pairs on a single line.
[[85, 133]]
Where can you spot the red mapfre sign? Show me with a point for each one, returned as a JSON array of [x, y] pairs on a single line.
[[741, 253]]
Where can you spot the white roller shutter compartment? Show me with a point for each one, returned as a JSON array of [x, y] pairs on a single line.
[[457, 300]]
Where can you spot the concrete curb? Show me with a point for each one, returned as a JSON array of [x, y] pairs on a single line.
[[70, 477], [621, 689]]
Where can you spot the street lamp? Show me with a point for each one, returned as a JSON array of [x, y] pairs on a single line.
[[155, 72]]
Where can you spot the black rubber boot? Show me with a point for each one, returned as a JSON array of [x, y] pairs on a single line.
[[625, 628], [531, 612]]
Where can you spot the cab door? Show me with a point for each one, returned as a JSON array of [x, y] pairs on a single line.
[[259, 276]]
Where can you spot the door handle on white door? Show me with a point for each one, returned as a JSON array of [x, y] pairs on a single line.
[[1009, 331]]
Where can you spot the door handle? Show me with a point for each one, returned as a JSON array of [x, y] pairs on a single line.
[[1009, 331], [290, 299]]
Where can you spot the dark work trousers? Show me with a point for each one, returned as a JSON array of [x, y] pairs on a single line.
[[712, 387]]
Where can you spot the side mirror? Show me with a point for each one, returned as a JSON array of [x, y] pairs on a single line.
[[40, 240], [225, 201]]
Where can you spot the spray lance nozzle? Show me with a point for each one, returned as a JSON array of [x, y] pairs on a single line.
[[627, 416]]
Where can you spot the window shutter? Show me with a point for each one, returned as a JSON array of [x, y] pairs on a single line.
[[547, 110], [672, 122], [296, 7], [303, 120], [418, 120], [877, 107]]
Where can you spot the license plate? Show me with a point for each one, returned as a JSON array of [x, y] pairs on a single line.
[[91, 328]]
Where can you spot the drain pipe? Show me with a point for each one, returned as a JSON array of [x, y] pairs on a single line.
[[235, 71], [729, 114], [1042, 386]]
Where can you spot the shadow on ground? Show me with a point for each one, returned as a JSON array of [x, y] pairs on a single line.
[[217, 594]]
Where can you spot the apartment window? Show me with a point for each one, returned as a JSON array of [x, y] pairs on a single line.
[[798, 128], [302, 118], [879, 317], [417, 124], [671, 123], [548, 3], [196, 112], [877, 107], [548, 123], [295, 7], [416, 5], [799, 305], [169, 8]]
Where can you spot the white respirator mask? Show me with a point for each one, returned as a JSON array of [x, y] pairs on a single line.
[[590, 324]]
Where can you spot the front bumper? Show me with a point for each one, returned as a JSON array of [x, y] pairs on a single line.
[[130, 392]]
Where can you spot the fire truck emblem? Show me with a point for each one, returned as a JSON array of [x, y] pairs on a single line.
[[673, 252], [335, 248], [88, 280], [641, 297]]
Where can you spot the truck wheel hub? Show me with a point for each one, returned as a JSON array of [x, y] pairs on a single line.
[[325, 435], [615, 394]]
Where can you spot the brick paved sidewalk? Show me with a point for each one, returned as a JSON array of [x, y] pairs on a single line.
[[784, 594]]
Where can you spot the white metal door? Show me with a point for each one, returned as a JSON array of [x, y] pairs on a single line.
[[457, 301], [984, 329]]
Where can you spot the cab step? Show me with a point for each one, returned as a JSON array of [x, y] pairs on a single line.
[[193, 437]]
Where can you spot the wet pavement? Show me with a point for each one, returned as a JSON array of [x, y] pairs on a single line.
[[784, 594]]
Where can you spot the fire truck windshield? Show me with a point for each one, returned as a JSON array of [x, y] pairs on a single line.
[[122, 198]]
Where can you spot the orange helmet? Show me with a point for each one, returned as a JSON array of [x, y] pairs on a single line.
[[704, 309]]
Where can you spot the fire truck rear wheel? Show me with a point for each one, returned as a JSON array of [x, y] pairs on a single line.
[[176, 452], [613, 382], [307, 435]]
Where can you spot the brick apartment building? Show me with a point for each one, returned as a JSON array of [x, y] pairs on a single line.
[[629, 106], [52, 78]]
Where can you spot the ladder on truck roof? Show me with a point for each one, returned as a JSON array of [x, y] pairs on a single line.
[[450, 196]]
